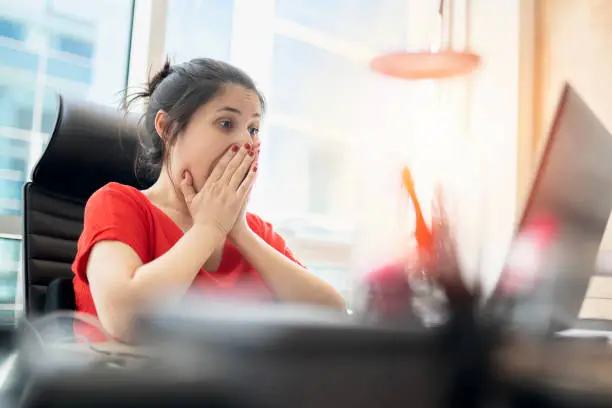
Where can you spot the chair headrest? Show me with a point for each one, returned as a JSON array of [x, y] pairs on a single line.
[[91, 145]]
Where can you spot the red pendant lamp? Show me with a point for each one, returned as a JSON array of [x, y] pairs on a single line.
[[445, 63]]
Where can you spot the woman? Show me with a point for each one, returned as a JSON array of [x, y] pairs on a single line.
[[189, 231]]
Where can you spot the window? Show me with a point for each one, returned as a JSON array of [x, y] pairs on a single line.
[[375, 24], [10, 263], [199, 28], [76, 48], [11, 29], [311, 60]]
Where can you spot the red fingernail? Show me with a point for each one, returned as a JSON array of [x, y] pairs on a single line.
[[235, 148], [251, 153], [247, 146], [254, 169]]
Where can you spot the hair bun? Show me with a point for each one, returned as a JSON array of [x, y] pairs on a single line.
[[159, 77]]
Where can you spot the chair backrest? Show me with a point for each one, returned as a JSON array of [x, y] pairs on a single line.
[[91, 145]]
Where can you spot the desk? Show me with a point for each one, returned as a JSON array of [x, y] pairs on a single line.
[[585, 333]]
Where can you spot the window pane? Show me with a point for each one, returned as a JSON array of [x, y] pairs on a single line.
[[10, 262], [71, 45], [375, 24], [328, 84], [11, 29], [199, 28], [315, 168], [76, 48], [14, 153], [50, 46]]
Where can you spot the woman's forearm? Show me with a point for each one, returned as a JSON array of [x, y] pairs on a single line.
[[288, 280], [175, 270]]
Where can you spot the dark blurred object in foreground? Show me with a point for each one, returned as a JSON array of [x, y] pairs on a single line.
[[280, 357], [218, 354]]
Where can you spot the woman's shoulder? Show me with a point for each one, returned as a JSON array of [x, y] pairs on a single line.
[[113, 195], [117, 188], [264, 229], [257, 224]]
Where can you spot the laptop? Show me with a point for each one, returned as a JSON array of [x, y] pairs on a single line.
[[553, 254]]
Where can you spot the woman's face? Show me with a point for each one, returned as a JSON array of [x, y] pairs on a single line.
[[231, 117]]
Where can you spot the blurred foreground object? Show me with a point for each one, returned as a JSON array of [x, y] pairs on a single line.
[[415, 288], [221, 354], [279, 356]]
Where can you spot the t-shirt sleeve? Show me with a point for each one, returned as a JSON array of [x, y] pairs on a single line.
[[266, 232], [112, 215]]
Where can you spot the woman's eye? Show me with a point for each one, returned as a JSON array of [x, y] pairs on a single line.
[[254, 132], [227, 124]]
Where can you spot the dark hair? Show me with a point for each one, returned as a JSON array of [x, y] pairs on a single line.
[[179, 90]]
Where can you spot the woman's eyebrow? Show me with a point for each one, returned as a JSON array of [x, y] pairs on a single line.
[[234, 110]]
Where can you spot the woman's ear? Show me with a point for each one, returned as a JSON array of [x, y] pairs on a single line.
[[161, 124]]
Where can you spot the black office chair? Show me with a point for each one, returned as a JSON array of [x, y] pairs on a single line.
[[91, 145]]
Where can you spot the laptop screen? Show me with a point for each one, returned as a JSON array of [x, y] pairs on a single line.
[[553, 254]]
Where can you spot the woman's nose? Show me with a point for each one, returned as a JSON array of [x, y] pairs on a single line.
[[247, 138]]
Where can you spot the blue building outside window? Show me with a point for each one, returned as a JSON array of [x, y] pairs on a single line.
[[74, 46], [12, 29]]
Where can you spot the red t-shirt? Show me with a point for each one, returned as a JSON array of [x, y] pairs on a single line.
[[117, 212]]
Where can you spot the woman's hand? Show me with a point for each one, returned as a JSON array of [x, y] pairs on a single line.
[[241, 226], [223, 196]]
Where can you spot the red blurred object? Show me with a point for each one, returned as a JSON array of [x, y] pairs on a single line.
[[434, 264], [422, 233], [523, 269], [426, 65], [389, 291]]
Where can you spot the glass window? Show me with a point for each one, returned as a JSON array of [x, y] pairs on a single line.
[[18, 59], [11, 29], [309, 188], [83, 54], [199, 28], [58, 68], [79, 49], [74, 46], [325, 163], [10, 262], [375, 24], [314, 83]]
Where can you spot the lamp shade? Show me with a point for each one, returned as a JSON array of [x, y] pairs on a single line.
[[426, 65]]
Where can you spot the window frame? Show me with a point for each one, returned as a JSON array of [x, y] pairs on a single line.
[[11, 225]]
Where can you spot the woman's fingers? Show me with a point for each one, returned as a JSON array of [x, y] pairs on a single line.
[[232, 153], [234, 164], [249, 181], [241, 171], [187, 187]]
